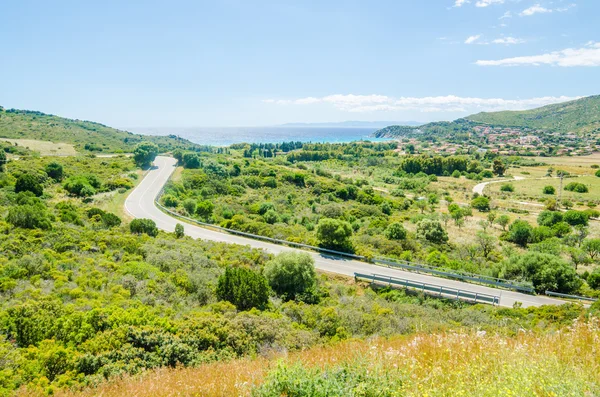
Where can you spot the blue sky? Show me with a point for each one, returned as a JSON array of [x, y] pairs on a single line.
[[244, 63]]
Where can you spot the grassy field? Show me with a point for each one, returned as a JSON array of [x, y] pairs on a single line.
[[563, 363], [531, 189], [45, 148]]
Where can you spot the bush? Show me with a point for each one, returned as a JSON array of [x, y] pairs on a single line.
[[507, 187], [243, 288], [334, 234], [179, 231], [28, 183], [593, 279], [597, 173], [170, 201], [549, 218], [395, 231], [547, 272], [520, 232], [481, 203], [292, 275], [145, 153], [456, 174], [575, 218], [576, 187], [432, 231], [55, 171], [139, 226], [205, 209], [29, 217], [549, 190], [271, 217], [81, 185]]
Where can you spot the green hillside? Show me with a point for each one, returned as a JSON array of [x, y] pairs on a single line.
[[86, 136], [579, 116]]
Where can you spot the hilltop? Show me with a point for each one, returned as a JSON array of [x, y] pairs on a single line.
[[85, 136], [581, 116]]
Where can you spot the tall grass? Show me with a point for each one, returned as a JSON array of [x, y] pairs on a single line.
[[562, 363]]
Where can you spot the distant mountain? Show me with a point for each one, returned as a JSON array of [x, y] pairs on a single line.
[[353, 124], [84, 135], [581, 116]]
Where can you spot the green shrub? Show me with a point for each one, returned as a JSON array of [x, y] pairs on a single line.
[[432, 231], [395, 231], [549, 189], [575, 218], [28, 183], [576, 187], [55, 171], [140, 226], [179, 231], [334, 234], [292, 275], [244, 288], [507, 187], [520, 232], [145, 153], [481, 203]]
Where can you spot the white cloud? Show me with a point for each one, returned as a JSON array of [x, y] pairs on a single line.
[[460, 3], [486, 3], [538, 9], [506, 15], [508, 40], [569, 57], [472, 39], [449, 103], [534, 9]]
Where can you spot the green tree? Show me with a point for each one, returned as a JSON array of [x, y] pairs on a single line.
[[271, 217], [334, 234], [432, 231], [498, 167], [28, 183], [292, 275], [244, 288], [55, 171], [574, 218], [549, 218], [549, 189], [191, 161], [481, 203], [395, 231], [592, 247], [520, 232], [205, 209], [29, 217], [140, 226], [503, 221], [145, 153], [179, 231], [3, 160]]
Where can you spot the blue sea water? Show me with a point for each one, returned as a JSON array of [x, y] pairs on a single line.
[[222, 136]]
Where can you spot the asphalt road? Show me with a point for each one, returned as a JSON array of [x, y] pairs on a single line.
[[140, 204]]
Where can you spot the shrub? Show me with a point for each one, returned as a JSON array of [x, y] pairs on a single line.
[[81, 186], [432, 231], [574, 218], [291, 275], [29, 217], [205, 209], [170, 201], [191, 161], [456, 174], [147, 226], [395, 231], [271, 217], [549, 218], [190, 206], [145, 153], [481, 203], [593, 280], [576, 187], [549, 190], [334, 234], [55, 171], [244, 288], [597, 173], [28, 183], [507, 187], [179, 231], [520, 232]]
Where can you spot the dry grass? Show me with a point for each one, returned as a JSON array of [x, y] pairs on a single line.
[[45, 148], [565, 363]]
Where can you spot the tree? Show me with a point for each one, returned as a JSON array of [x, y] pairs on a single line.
[[244, 288], [491, 217], [597, 173], [291, 275], [79, 186], [486, 242], [271, 217], [432, 231], [520, 233], [145, 153], [549, 189], [421, 205], [190, 206], [140, 226], [547, 272], [29, 217], [191, 160], [28, 183], [481, 203], [395, 231], [55, 171], [592, 247], [456, 174], [334, 234], [549, 218], [205, 209], [574, 218], [179, 232], [3, 160], [503, 221], [498, 167], [594, 281], [110, 220]]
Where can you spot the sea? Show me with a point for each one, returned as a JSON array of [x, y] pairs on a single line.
[[224, 136]]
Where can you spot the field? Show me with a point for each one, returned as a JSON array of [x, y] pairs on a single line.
[[45, 148], [444, 364], [531, 189]]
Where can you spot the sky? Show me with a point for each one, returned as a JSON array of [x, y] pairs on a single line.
[[254, 63]]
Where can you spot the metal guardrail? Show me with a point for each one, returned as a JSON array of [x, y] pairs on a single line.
[[432, 289], [581, 298], [478, 278], [409, 266]]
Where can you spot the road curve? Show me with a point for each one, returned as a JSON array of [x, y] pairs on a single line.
[[480, 187], [140, 204]]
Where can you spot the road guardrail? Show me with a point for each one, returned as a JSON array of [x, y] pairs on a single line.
[[432, 289], [581, 298]]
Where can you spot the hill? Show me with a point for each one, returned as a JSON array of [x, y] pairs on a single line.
[[578, 116], [85, 136], [581, 116]]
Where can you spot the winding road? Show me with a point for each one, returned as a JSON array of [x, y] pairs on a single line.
[[140, 204]]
